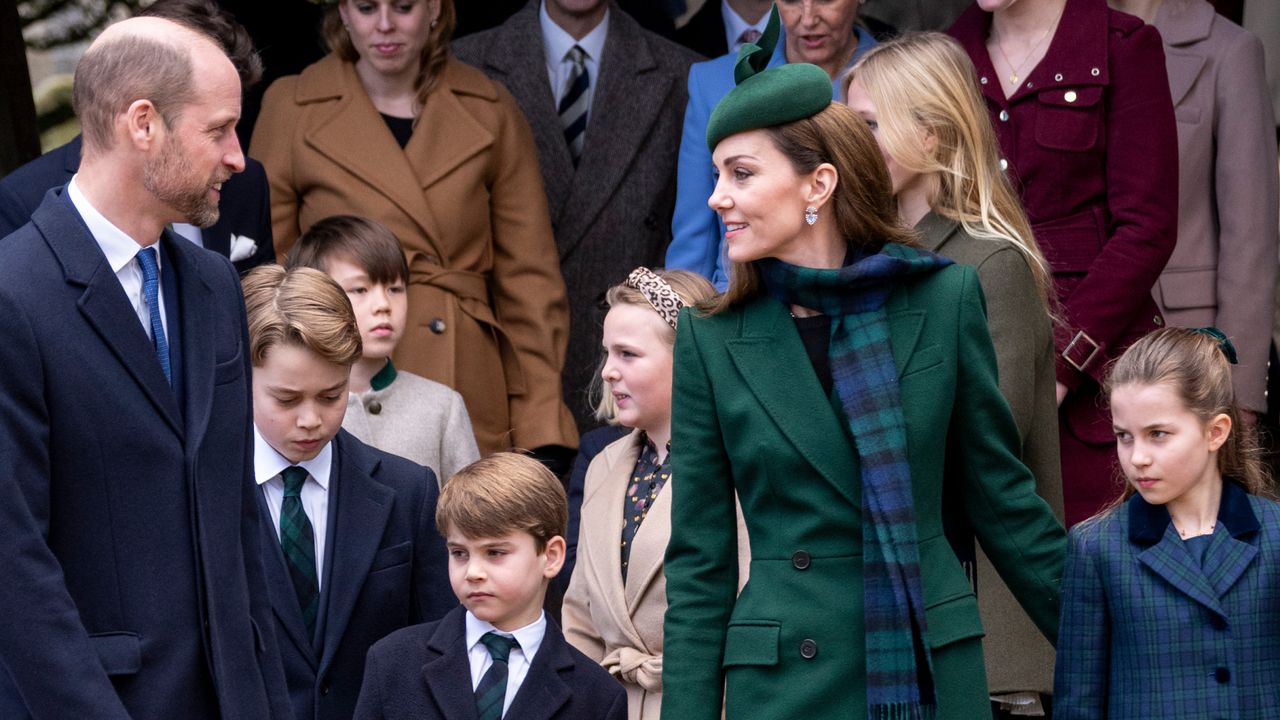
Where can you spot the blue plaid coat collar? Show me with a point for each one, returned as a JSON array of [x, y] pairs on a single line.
[[1231, 550]]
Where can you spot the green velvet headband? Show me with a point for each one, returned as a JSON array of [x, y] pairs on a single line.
[[767, 96]]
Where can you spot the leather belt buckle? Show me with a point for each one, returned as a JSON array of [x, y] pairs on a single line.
[[1076, 342]]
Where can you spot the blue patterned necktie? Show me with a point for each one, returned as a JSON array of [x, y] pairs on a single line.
[[573, 106], [491, 693], [299, 545], [151, 289]]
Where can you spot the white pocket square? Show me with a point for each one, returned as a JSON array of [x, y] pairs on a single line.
[[242, 247]]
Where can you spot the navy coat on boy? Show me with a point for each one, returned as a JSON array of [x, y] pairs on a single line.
[[422, 673], [133, 584], [385, 568], [1147, 634]]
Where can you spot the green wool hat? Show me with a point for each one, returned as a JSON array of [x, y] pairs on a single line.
[[767, 96]]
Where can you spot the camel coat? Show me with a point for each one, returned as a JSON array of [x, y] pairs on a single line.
[[488, 314], [620, 625]]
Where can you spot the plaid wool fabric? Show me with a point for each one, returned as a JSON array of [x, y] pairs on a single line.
[[866, 382], [1147, 632]]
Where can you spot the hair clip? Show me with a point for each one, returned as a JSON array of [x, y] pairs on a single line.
[[1224, 343], [658, 292]]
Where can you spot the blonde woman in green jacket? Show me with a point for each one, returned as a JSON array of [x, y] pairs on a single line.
[[840, 379]]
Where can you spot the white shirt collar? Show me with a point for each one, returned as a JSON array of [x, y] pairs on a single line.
[[530, 636], [557, 43], [119, 248], [268, 463], [734, 25]]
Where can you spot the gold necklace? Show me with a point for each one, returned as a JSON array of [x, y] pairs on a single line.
[[1015, 71]]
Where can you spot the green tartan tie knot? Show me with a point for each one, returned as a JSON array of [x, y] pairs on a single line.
[[294, 478]]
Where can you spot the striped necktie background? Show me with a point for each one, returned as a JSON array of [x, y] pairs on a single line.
[[573, 106]]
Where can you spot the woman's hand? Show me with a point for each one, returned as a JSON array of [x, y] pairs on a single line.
[[1062, 392]]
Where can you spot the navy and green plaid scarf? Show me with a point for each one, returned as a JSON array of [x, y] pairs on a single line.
[[899, 668]]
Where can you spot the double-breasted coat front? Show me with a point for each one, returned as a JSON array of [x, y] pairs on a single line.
[[487, 309], [750, 416]]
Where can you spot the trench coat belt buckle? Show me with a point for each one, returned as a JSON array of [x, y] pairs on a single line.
[[1081, 345]]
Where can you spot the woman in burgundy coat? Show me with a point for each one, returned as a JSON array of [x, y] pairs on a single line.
[[1080, 101]]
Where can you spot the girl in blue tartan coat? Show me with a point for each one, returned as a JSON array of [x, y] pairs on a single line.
[[1171, 597]]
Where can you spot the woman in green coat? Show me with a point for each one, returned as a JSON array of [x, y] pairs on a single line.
[[840, 379]]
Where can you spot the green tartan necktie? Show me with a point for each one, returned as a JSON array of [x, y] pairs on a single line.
[[492, 690], [299, 545]]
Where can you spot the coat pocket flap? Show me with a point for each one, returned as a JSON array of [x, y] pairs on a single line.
[[955, 619], [119, 652], [1181, 289], [392, 556], [754, 643]]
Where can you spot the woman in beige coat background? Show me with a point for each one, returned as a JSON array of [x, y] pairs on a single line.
[[390, 127], [613, 611]]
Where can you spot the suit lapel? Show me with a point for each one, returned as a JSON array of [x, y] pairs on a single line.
[[448, 675], [629, 97], [103, 303], [1171, 560], [363, 506], [543, 691], [284, 603]]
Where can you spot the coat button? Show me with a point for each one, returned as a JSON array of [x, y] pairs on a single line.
[[1004, 116], [324, 690], [808, 649], [1004, 164], [437, 326], [1218, 622], [374, 407], [1222, 675], [800, 560], [1157, 320], [1095, 72], [983, 79], [1058, 77]]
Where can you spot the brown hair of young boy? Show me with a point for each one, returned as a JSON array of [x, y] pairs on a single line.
[[504, 493], [361, 241], [300, 306]]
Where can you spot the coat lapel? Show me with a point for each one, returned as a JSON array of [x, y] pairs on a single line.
[[197, 337], [1171, 560], [362, 508], [104, 304], [284, 603], [629, 97], [606, 501], [543, 691], [448, 675]]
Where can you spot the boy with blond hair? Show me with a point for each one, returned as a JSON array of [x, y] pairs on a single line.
[[348, 545], [498, 655]]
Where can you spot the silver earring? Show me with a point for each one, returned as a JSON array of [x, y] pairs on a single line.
[[811, 215], [435, 22]]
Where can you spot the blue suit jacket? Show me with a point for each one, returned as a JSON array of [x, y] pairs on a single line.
[[244, 208], [1146, 633], [696, 230], [385, 568], [422, 673], [133, 582]]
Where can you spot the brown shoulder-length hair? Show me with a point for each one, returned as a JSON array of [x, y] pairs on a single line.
[[435, 51], [862, 202], [302, 307]]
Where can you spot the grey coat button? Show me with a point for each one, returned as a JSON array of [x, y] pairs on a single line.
[[374, 407], [800, 560], [437, 326], [1004, 116], [1157, 320], [808, 649]]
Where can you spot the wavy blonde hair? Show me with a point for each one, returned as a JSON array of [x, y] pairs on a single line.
[[924, 83], [435, 51]]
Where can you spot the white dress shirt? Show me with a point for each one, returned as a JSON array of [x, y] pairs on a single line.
[[190, 232], [530, 639], [267, 466], [122, 255], [556, 44], [734, 25]]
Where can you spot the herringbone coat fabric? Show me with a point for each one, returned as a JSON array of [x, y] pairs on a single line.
[[1146, 633]]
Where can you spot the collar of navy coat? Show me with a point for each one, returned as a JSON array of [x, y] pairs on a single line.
[[448, 673], [1231, 550]]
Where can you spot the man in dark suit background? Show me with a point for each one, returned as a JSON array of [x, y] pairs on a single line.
[[709, 30], [607, 138], [129, 529], [243, 229]]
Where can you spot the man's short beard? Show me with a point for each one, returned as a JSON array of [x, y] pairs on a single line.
[[169, 178]]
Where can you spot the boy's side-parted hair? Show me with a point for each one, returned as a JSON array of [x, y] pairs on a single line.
[[503, 493], [300, 306], [359, 240]]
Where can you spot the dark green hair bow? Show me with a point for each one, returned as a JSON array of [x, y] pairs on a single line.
[[1224, 343], [767, 96]]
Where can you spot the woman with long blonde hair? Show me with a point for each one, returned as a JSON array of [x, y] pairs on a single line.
[[920, 97]]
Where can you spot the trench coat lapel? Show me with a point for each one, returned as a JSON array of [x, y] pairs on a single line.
[[647, 551], [355, 137], [608, 498], [629, 97], [798, 406]]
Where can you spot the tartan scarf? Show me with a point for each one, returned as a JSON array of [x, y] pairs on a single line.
[[899, 668]]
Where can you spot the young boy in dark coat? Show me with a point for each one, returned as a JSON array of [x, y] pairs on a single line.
[[503, 519]]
